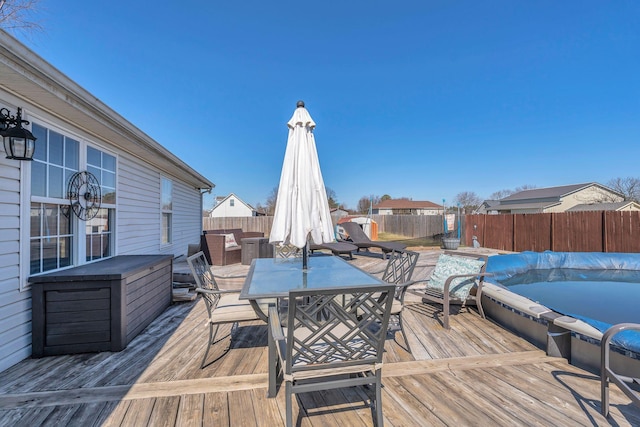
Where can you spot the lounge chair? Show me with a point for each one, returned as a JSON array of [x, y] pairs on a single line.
[[457, 279], [337, 248], [358, 237]]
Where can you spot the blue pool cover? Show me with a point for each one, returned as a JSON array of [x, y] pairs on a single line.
[[588, 280]]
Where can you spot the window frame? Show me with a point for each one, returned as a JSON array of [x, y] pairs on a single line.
[[78, 227], [166, 212]]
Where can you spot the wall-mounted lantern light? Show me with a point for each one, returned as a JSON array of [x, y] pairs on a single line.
[[19, 143]]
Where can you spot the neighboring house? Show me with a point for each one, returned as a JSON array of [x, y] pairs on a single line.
[[151, 200], [619, 206], [557, 199], [231, 206], [487, 207], [407, 207]]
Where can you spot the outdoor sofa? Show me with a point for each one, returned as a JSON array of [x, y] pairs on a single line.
[[224, 247]]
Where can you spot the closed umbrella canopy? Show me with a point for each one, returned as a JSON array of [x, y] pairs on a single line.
[[302, 209]]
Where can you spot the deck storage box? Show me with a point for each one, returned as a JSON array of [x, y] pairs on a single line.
[[100, 306]]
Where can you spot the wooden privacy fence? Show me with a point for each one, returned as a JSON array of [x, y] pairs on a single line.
[[248, 223], [410, 226], [593, 231]]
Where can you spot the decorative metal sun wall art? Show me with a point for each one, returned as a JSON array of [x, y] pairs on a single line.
[[84, 195]]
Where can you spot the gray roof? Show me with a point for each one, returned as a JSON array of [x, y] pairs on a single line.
[[491, 203], [521, 206], [547, 193], [599, 206]]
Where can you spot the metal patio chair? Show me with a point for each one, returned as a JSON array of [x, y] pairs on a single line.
[[398, 271], [286, 252], [458, 278], [223, 306], [628, 385], [334, 339]]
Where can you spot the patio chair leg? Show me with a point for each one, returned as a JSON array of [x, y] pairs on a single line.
[[289, 404], [445, 311], [212, 341], [479, 306], [404, 335], [209, 343], [378, 403]]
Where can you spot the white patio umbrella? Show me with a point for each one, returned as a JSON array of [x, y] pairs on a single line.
[[302, 210]]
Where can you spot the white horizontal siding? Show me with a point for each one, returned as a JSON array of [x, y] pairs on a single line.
[[15, 306], [187, 218], [139, 218], [138, 204]]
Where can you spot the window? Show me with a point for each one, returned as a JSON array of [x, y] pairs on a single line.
[[99, 235], [55, 160], [103, 167], [232, 202], [56, 234], [167, 210], [51, 238], [99, 229]]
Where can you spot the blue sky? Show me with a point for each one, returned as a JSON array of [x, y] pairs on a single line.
[[419, 99]]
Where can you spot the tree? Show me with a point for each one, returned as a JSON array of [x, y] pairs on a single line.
[[501, 194], [270, 204], [468, 201], [384, 197], [628, 187], [497, 195], [17, 15], [331, 198], [365, 202]]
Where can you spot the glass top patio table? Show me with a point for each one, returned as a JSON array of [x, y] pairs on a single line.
[[274, 278]]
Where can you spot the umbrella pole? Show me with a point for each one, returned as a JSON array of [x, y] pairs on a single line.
[[305, 256]]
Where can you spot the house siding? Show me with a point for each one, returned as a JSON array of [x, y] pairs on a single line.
[[591, 194], [139, 219], [38, 88], [138, 222], [15, 306], [187, 219], [225, 210], [138, 208]]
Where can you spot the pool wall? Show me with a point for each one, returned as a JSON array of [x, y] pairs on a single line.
[[562, 336]]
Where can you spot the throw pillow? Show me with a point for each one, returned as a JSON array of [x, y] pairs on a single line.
[[230, 241], [448, 266]]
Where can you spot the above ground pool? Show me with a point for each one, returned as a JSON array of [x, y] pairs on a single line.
[[601, 289], [609, 296]]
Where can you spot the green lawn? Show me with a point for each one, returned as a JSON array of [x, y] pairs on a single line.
[[409, 241]]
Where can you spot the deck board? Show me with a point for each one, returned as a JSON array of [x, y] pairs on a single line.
[[476, 373]]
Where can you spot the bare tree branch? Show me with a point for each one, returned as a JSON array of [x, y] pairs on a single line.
[[19, 15], [468, 200], [629, 187]]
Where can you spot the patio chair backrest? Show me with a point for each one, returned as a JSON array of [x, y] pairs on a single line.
[[202, 272], [400, 267], [355, 232], [334, 328], [452, 262], [286, 251]]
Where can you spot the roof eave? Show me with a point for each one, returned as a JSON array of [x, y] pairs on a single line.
[[30, 78]]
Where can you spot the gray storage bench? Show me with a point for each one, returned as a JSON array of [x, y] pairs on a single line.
[[100, 306]]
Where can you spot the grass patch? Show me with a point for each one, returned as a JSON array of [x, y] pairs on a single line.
[[411, 242]]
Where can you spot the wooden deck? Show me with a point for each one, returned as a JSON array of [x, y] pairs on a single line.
[[475, 374]]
